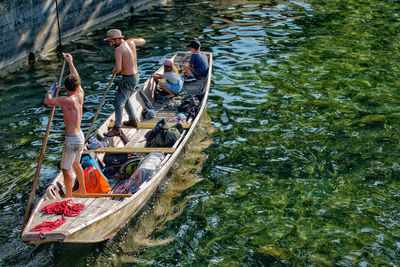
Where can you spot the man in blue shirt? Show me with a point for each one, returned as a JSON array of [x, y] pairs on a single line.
[[198, 64]]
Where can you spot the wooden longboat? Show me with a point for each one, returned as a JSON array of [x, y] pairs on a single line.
[[102, 216]]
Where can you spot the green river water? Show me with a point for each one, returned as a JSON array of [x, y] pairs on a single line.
[[295, 164]]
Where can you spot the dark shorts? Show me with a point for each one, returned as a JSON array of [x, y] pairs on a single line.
[[196, 73]]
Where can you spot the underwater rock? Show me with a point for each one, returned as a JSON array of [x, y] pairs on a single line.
[[321, 103], [373, 118]]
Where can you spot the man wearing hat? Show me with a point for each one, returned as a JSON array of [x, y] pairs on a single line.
[[126, 63], [198, 64]]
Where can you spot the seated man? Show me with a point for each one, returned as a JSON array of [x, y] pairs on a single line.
[[198, 64]]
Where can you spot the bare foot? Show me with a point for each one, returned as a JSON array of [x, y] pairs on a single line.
[[169, 96]]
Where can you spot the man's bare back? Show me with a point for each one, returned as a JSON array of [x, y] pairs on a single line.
[[72, 110], [71, 104], [74, 140]]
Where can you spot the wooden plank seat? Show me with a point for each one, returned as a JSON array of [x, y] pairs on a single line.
[[150, 125], [167, 150]]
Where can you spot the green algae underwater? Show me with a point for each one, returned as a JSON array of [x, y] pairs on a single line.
[[301, 167]]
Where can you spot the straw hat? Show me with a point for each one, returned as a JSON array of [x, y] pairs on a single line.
[[114, 33]]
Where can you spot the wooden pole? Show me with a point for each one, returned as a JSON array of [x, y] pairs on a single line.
[[42, 152], [99, 108], [96, 195], [58, 25]]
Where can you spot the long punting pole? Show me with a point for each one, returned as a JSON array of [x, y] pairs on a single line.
[[99, 108], [42, 152], [32, 195]]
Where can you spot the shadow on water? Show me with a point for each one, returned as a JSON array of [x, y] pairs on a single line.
[[166, 204]]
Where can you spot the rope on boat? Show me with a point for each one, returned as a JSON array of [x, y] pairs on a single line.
[[66, 208]]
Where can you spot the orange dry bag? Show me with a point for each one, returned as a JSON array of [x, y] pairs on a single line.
[[95, 182]]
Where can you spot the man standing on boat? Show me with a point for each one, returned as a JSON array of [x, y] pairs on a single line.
[[74, 141], [126, 63]]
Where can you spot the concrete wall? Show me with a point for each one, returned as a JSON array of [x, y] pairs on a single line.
[[31, 25]]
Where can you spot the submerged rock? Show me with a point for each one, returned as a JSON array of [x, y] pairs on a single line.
[[373, 118]]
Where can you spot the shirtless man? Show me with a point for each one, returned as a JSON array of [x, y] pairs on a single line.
[[72, 112], [126, 63]]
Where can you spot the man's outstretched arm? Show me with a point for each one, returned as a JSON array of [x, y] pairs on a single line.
[[137, 41], [69, 59]]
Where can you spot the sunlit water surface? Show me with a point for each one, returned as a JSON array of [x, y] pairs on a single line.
[[299, 165]]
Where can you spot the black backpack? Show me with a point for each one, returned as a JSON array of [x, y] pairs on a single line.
[[190, 105], [162, 136], [115, 159]]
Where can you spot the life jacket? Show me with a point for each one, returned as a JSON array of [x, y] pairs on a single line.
[[89, 161], [95, 182]]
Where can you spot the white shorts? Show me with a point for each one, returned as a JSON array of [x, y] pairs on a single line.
[[72, 150]]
